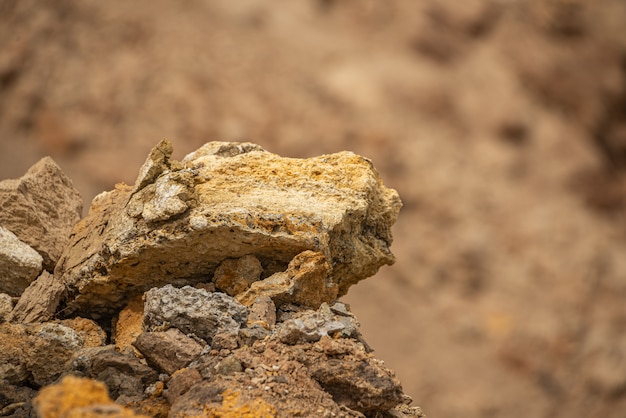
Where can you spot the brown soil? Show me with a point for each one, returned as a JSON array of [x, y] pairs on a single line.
[[501, 124]]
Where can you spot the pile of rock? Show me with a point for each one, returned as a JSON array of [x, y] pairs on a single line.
[[209, 288]]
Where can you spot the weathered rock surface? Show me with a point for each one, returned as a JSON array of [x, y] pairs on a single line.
[[168, 351], [6, 306], [227, 200], [233, 276], [311, 326], [268, 244], [41, 208], [193, 311], [19, 263], [304, 283], [39, 301]]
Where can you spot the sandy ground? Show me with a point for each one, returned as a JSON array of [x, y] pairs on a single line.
[[502, 124]]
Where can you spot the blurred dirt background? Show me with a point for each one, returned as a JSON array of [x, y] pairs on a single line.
[[502, 123]]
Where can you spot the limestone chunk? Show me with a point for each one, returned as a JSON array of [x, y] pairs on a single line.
[[19, 264], [226, 201], [41, 208]]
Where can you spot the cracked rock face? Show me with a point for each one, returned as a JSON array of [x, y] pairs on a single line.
[[209, 288], [181, 220]]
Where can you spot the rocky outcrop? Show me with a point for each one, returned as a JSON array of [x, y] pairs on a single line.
[[216, 280], [41, 208], [180, 221]]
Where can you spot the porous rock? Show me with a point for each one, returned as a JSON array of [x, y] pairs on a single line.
[[304, 283], [168, 351], [193, 311], [227, 200], [39, 301], [41, 208], [19, 263]]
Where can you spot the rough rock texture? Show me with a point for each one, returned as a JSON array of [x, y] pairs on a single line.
[[227, 200], [260, 335], [193, 311], [78, 397], [167, 351], [19, 263], [129, 324], [39, 301], [6, 306], [305, 282], [41, 208], [233, 276]]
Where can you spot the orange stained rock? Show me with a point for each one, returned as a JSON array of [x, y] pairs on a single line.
[[232, 407], [128, 325], [76, 397]]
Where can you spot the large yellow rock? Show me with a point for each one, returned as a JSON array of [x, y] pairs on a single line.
[[227, 200]]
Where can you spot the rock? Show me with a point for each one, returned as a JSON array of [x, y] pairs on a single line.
[[181, 381], [226, 201], [39, 301], [78, 397], [228, 366], [129, 324], [247, 336], [6, 306], [14, 342], [233, 276], [304, 283], [13, 397], [193, 311], [262, 313], [311, 326], [41, 208], [88, 330], [168, 351], [362, 386], [19, 263], [122, 373], [52, 347]]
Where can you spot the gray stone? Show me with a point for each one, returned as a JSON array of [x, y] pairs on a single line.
[[193, 311], [226, 201], [19, 264], [41, 208], [39, 301], [311, 326], [167, 351]]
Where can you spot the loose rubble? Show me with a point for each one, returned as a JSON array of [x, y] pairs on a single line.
[[209, 288]]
